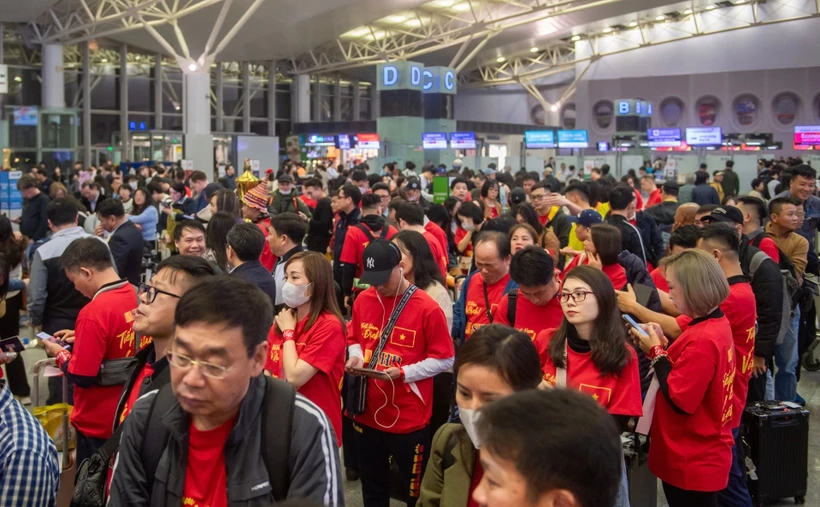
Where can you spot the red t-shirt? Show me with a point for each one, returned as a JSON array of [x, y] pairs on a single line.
[[616, 274], [323, 347], [475, 480], [460, 234], [439, 234], [768, 245], [266, 258], [578, 260], [420, 333], [146, 371], [205, 482], [638, 199], [529, 318], [693, 451], [475, 307], [654, 198], [355, 243], [659, 277], [439, 255], [310, 203], [103, 331], [618, 394], [741, 311]]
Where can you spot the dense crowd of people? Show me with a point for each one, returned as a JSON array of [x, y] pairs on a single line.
[[223, 340]]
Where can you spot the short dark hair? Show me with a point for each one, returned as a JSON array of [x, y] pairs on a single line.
[[776, 204], [240, 304], [530, 176], [458, 180], [607, 241], [410, 212], [756, 203], [532, 267], [313, 182], [722, 233], [90, 184], [198, 176], [621, 197], [471, 210], [804, 171], [194, 268], [371, 201], [545, 184], [247, 241], [580, 188], [178, 187], [504, 350], [352, 191], [187, 224], [358, 175], [569, 456], [380, 186], [89, 252], [500, 239], [61, 211], [290, 225], [111, 207], [701, 177], [685, 236], [26, 182]]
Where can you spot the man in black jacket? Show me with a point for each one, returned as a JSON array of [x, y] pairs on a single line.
[[245, 245], [320, 225], [639, 233], [349, 214], [154, 317], [91, 196], [664, 213], [125, 240], [33, 221], [550, 216]]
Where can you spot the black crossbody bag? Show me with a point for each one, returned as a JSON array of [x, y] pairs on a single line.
[[356, 401]]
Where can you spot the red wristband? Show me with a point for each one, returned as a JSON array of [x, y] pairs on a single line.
[[288, 335], [656, 351], [63, 357]]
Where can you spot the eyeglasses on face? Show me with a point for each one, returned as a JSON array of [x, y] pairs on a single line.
[[151, 293], [183, 362], [539, 197], [578, 296]]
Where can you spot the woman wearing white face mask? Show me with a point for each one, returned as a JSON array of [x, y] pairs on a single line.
[[470, 218], [495, 362], [307, 342]]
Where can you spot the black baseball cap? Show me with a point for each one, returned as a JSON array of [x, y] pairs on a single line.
[[725, 214], [285, 178], [413, 184], [379, 258], [518, 196], [671, 186]]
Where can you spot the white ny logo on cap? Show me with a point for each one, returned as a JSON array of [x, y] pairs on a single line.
[[371, 263]]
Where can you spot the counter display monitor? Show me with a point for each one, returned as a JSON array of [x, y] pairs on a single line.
[[573, 139], [539, 139], [704, 136], [320, 140], [462, 140], [367, 141], [807, 135], [343, 142], [434, 140], [663, 138], [603, 146]]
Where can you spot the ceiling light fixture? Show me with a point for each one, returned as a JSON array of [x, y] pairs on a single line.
[[18, 79], [462, 7], [660, 18], [500, 59], [395, 18], [103, 60], [710, 7], [413, 23], [192, 67], [687, 11], [608, 30], [357, 32], [554, 108], [534, 49], [576, 38], [633, 24]]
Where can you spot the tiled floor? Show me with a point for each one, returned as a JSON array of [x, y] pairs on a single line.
[[809, 388]]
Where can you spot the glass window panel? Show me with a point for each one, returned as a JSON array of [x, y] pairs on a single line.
[[58, 130], [364, 109], [140, 94], [283, 105], [230, 100], [171, 97], [259, 128], [347, 109], [259, 103], [170, 122], [105, 92], [103, 128]]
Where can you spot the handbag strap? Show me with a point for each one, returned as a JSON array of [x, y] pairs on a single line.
[[390, 323], [487, 302], [561, 373]]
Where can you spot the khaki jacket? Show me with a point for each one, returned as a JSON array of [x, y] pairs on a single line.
[[449, 472]]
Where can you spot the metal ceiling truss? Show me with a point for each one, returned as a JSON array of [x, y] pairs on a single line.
[[432, 30], [565, 55]]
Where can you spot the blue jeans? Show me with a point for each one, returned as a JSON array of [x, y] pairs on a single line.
[[736, 493], [785, 361], [623, 491]]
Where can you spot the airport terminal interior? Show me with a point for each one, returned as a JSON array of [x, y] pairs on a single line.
[[568, 86]]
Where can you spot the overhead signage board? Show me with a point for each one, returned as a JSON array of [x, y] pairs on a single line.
[[439, 80], [539, 139], [434, 140], [633, 107], [807, 135], [399, 76], [573, 139], [663, 138], [320, 140], [367, 141], [26, 116], [704, 136], [343, 142], [462, 140]]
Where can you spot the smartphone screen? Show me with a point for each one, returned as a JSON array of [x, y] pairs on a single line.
[[635, 325]]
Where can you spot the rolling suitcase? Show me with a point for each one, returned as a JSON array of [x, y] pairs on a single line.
[[778, 438], [67, 468], [643, 485]]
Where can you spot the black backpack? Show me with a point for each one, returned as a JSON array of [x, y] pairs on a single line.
[[792, 288], [511, 304], [278, 405], [367, 232]]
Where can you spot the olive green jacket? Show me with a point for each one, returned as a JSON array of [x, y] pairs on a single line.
[[449, 472]]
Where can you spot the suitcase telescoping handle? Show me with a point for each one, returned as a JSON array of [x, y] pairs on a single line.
[[36, 370]]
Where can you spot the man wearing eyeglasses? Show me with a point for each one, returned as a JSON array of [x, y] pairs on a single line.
[[154, 317], [208, 441], [551, 217], [102, 335]]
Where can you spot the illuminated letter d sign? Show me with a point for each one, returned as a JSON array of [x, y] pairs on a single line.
[[390, 76]]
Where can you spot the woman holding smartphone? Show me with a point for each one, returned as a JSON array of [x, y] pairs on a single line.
[[307, 341]]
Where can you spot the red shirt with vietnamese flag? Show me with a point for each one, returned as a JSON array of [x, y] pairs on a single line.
[[355, 243], [419, 333], [529, 318], [693, 450], [618, 394], [206, 483], [475, 305], [323, 347], [461, 233], [741, 311], [439, 255], [104, 331]]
